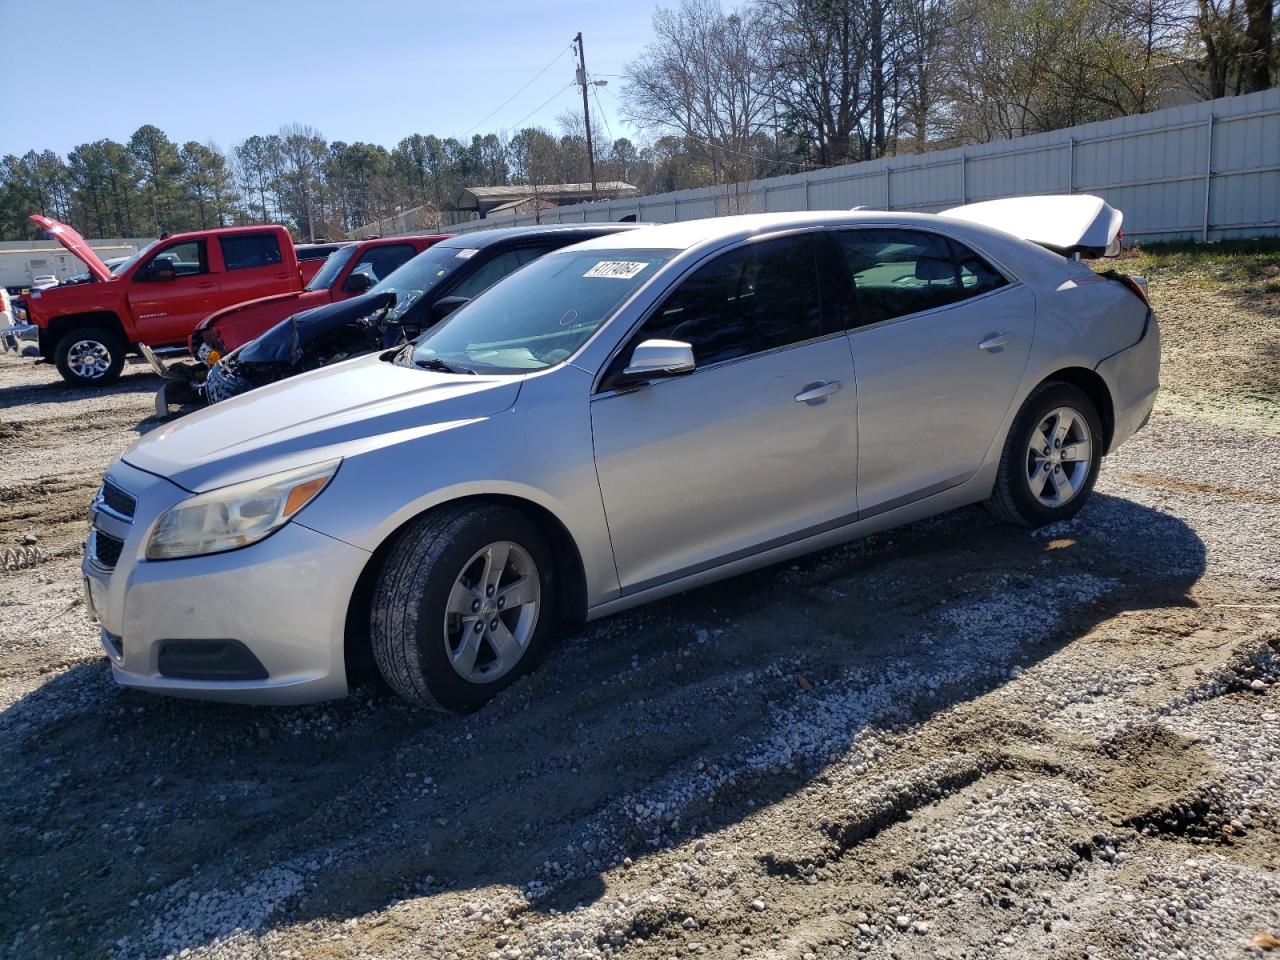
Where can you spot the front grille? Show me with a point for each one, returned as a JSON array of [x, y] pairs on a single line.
[[106, 549], [224, 381], [117, 500]]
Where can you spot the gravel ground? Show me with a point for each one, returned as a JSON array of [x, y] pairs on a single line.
[[954, 740]]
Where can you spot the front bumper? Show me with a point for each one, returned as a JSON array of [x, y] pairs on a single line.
[[12, 337], [284, 599]]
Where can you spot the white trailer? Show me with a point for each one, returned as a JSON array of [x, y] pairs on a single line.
[[21, 261]]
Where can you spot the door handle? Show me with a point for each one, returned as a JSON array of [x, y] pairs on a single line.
[[205, 286], [815, 392], [995, 341]]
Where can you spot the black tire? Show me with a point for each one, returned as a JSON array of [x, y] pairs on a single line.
[[65, 353], [411, 595], [1012, 499]]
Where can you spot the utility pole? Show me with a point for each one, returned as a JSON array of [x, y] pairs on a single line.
[[586, 113]]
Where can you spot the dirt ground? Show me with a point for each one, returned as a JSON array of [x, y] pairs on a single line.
[[953, 740]]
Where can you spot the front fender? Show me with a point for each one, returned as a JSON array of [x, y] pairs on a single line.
[[510, 454]]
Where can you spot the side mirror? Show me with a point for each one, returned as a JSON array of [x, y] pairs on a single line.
[[445, 306], [655, 359], [159, 269], [357, 282]]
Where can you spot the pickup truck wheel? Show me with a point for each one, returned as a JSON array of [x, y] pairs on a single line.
[[462, 605], [1051, 458], [90, 356]]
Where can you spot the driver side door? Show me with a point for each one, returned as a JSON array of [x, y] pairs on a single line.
[[756, 447], [165, 311]]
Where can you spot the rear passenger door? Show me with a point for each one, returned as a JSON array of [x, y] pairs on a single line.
[[940, 338], [253, 266]]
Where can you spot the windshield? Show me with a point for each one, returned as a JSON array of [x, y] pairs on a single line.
[[413, 279], [333, 265], [538, 316]]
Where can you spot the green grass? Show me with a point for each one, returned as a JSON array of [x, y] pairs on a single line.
[[1250, 264]]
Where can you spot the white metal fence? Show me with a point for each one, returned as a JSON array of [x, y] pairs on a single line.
[[1207, 171]]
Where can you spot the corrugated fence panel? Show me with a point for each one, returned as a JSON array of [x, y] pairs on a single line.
[[1205, 170]]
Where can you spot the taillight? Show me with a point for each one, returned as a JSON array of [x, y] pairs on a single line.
[[1138, 285]]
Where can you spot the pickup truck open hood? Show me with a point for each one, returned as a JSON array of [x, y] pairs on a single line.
[[331, 412], [75, 243], [1067, 224]]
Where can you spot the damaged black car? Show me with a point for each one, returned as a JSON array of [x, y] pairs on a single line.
[[407, 303]]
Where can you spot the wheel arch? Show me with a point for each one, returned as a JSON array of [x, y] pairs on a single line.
[[1096, 389], [571, 583], [100, 319]]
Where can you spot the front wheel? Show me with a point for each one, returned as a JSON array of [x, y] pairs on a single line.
[[1051, 457], [90, 357], [462, 605]]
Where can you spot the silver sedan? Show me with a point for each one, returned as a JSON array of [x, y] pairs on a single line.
[[618, 421]]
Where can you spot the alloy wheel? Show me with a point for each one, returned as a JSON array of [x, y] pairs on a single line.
[[89, 359], [1059, 457], [492, 612]]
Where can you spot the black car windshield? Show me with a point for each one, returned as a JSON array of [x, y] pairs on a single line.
[[333, 265], [538, 316], [413, 279]]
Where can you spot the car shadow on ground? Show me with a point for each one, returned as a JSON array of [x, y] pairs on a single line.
[[637, 733], [136, 378]]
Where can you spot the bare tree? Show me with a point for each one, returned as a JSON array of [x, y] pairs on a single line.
[[705, 77]]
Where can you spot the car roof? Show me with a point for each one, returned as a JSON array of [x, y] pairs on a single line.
[[434, 238], [485, 238], [692, 233]]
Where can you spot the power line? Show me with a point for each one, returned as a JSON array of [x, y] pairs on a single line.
[[518, 92], [571, 83], [595, 91]]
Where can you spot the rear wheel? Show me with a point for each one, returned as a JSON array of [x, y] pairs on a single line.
[[1051, 457], [462, 605], [90, 356]]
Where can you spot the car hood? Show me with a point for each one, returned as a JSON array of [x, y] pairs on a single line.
[[302, 300], [77, 244], [283, 343], [332, 412]]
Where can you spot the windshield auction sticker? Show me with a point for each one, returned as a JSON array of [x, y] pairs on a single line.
[[616, 269], [466, 254]]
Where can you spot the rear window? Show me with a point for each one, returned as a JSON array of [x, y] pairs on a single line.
[[250, 250]]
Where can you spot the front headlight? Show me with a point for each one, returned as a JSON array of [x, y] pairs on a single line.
[[238, 515]]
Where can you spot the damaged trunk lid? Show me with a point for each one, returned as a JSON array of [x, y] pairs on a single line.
[[1070, 224]]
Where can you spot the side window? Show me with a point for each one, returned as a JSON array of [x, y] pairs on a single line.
[[250, 250], [509, 261], [976, 275], [759, 297], [188, 259], [899, 272], [380, 261]]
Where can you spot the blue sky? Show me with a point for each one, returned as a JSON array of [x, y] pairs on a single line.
[[371, 70]]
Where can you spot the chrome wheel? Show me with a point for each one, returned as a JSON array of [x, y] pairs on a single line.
[[1059, 457], [492, 612], [89, 359]]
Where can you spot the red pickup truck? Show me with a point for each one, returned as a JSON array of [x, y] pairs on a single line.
[[348, 272], [156, 297]]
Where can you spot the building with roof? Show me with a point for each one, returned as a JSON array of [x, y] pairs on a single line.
[[478, 202]]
